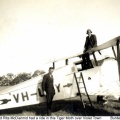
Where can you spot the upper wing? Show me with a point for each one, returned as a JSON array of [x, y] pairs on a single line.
[[105, 45]]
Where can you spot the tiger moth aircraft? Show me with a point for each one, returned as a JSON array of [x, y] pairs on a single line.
[[102, 79]]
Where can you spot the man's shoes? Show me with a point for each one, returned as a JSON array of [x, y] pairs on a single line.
[[53, 114], [49, 113], [105, 102]]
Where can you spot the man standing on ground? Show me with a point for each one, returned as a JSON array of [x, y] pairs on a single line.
[[48, 89]]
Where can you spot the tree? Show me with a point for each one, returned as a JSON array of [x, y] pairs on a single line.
[[4, 81], [37, 73], [10, 76], [21, 78]]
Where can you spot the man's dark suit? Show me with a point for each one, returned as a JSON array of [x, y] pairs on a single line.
[[47, 86], [90, 42]]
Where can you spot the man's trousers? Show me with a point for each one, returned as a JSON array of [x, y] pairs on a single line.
[[49, 102]]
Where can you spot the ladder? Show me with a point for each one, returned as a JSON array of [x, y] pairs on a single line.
[[80, 94]]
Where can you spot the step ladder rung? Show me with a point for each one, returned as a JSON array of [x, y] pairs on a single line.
[[78, 77], [81, 93]]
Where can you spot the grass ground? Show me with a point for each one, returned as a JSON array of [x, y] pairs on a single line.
[[69, 107]]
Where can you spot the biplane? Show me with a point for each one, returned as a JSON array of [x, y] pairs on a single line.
[[67, 80]]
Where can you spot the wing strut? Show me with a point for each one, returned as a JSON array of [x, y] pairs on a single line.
[[114, 52], [118, 56], [95, 59]]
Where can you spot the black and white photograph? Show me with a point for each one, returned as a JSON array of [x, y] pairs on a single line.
[[59, 58]]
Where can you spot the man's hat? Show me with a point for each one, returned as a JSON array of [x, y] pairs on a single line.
[[88, 30]]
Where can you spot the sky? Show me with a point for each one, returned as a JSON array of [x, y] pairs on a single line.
[[33, 32]]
